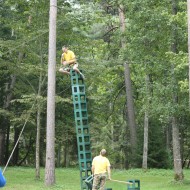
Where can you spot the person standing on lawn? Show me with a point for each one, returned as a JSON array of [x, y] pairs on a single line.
[[100, 170]]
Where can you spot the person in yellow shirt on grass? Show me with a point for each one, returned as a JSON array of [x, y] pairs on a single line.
[[68, 60], [100, 169]]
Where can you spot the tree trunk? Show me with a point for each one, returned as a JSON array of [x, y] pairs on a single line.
[[2, 145], [6, 120], [130, 109], [168, 138], [29, 148], [188, 21], [38, 118], [145, 147], [65, 156], [59, 155], [38, 141], [130, 103], [16, 151], [50, 132], [176, 151], [175, 129], [9, 91], [146, 124]]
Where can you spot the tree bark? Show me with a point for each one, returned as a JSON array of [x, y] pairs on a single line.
[[2, 145], [130, 109], [38, 118], [65, 155], [188, 21], [145, 147], [29, 147], [9, 90], [7, 139], [176, 151], [130, 103], [16, 152], [38, 141], [50, 132], [59, 155], [146, 125], [168, 138], [175, 129]]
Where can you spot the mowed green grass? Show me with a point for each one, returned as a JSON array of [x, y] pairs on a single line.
[[23, 178]]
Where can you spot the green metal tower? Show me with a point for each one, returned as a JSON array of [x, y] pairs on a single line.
[[82, 127]]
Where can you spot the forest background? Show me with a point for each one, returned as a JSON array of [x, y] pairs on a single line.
[[136, 81]]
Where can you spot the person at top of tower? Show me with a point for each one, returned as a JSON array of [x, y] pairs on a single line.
[[100, 166], [68, 60]]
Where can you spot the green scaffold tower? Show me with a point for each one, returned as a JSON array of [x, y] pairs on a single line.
[[82, 127]]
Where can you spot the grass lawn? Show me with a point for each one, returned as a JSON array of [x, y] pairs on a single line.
[[23, 178]]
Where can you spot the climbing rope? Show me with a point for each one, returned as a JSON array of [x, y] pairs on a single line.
[[18, 138]]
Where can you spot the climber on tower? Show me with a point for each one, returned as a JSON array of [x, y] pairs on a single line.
[[68, 60]]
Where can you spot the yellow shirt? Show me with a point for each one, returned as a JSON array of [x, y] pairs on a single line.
[[100, 164], [67, 56]]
